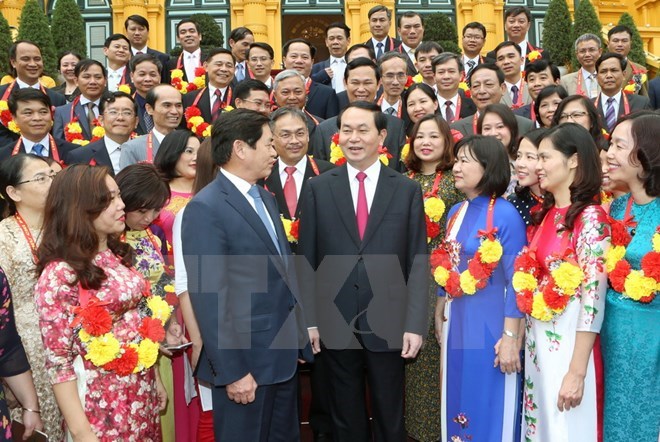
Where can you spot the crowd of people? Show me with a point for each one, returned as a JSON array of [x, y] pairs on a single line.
[[450, 246]]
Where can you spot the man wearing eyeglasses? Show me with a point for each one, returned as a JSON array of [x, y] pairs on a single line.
[[393, 67], [260, 58], [588, 49], [474, 38], [31, 112], [118, 116], [254, 95]]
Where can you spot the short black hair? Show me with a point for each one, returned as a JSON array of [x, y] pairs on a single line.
[[360, 62], [339, 25], [64, 54], [25, 95], [492, 156], [84, 65], [506, 44], [238, 34], [475, 25], [240, 124], [138, 19], [379, 118], [540, 66], [491, 67], [428, 46], [380, 8], [145, 58], [445, 57], [170, 150], [111, 97], [619, 29], [284, 111], [409, 14], [517, 10], [114, 37], [215, 51], [372, 54], [142, 186], [265, 46], [285, 48], [606, 56], [508, 119], [245, 87], [546, 92], [423, 87], [187, 20]]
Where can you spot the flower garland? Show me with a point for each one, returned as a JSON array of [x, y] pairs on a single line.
[[409, 82], [465, 88], [94, 327], [638, 78], [337, 155], [7, 119], [184, 86], [434, 208], [290, 228], [639, 285], [548, 298], [481, 266], [417, 78], [124, 88], [73, 132], [195, 122], [534, 55]]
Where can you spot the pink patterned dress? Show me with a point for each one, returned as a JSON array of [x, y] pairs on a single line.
[[119, 408]]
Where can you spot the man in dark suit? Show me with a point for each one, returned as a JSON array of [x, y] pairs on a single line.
[[289, 91], [242, 286], [393, 77], [240, 40], [119, 118], [92, 77], [331, 71], [218, 94], [380, 19], [613, 103], [370, 310], [298, 54], [538, 75], [356, 51], [190, 38], [410, 27], [619, 40], [27, 67], [517, 21], [362, 80], [448, 71], [137, 31], [474, 39], [31, 112]]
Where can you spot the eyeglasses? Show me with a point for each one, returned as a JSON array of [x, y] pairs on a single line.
[[115, 113], [473, 37], [259, 104], [40, 179], [286, 136], [390, 77], [573, 116], [587, 51]]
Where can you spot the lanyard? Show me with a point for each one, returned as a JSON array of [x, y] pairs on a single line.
[[28, 235], [150, 147], [434, 189], [626, 105], [53, 148], [398, 112]]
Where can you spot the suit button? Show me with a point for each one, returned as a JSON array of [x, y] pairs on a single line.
[[355, 286]]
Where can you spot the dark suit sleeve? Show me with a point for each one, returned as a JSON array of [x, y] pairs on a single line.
[[417, 266], [332, 105], [320, 75], [58, 123], [320, 146], [307, 248]]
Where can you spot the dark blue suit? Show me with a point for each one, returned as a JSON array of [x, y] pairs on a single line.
[[95, 151], [63, 117], [319, 74], [242, 292], [322, 101]]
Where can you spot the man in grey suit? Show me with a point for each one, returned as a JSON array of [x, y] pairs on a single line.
[[588, 49], [362, 79], [165, 107], [487, 87]]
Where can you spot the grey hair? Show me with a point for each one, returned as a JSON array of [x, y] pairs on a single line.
[[284, 111], [587, 37], [285, 74]]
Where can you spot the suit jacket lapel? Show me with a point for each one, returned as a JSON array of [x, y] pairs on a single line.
[[205, 106], [309, 173], [101, 156], [81, 112], [341, 193], [274, 185], [385, 190]]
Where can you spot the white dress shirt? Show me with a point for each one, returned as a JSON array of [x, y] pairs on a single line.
[[22, 85], [590, 84], [45, 142], [135, 51], [410, 52], [243, 187], [519, 85], [83, 102], [338, 66], [384, 105], [465, 59], [443, 109], [114, 78], [212, 96], [298, 175], [191, 61], [159, 136], [616, 104], [370, 183], [523, 52], [114, 152]]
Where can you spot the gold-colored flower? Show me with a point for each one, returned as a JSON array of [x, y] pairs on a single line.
[[468, 283], [98, 132], [614, 255], [434, 208], [568, 277], [491, 251], [540, 309], [638, 286], [176, 73], [102, 350], [124, 88], [524, 281], [418, 78], [441, 276], [160, 309], [147, 354]]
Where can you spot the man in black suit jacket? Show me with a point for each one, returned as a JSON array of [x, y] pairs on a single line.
[[190, 38], [610, 69], [371, 309], [289, 91], [331, 71], [380, 19], [448, 71], [362, 79], [474, 39], [137, 31], [517, 21], [119, 119], [243, 288], [410, 27], [27, 67], [298, 54], [31, 111]]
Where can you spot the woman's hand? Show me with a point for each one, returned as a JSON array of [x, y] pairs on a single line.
[[571, 391], [174, 334], [162, 394], [507, 355], [439, 319], [32, 421]]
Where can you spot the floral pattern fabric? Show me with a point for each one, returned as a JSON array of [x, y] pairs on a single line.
[[118, 407], [549, 345]]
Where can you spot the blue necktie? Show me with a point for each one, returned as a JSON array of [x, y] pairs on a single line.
[[379, 52], [148, 122], [39, 149], [514, 93], [261, 211], [240, 75], [610, 116]]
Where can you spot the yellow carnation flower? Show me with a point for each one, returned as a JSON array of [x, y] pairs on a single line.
[[75, 128], [383, 158], [12, 126], [80, 142], [169, 288], [638, 286], [3, 105], [441, 276], [159, 308], [656, 242], [147, 354], [200, 82], [524, 281], [228, 108], [336, 153], [468, 283], [418, 78], [196, 120], [98, 132], [286, 223], [629, 88], [404, 151], [84, 336], [176, 73], [124, 88], [207, 131], [568, 277], [463, 85], [102, 350], [491, 251], [540, 309], [434, 208], [614, 255]]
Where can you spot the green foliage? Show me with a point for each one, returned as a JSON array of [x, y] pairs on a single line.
[[586, 22], [211, 34], [69, 27], [439, 28], [557, 32], [5, 44], [637, 50], [33, 26]]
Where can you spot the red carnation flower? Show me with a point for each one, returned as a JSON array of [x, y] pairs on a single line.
[[619, 274], [456, 135], [125, 364], [199, 71], [95, 320], [191, 87], [335, 138], [553, 299], [340, 162], [295, 225], [477, 268], [651, 265], [439, 257], [620, 235], [192, 111], [525, 299], [527, 263], [432, 229], [453, 286], [172, 299], [6, 117], [152, 329], [409, 82], [646, 299]]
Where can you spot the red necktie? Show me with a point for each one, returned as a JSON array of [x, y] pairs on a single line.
[[290, 194], [216, 105], [362, 212]]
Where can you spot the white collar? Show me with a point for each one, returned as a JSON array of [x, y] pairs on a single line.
[[27, 144], [407, 48], [387, 104], [196, 54], [242, 185], [372, 171], [443, 100], [110, 144], [143, 50], [212, 90], [338, 59], [118, 71], [22, 85], [159, 136], [300, 165], [519, 84], [84, 100], [586, 73], [617, 97]]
